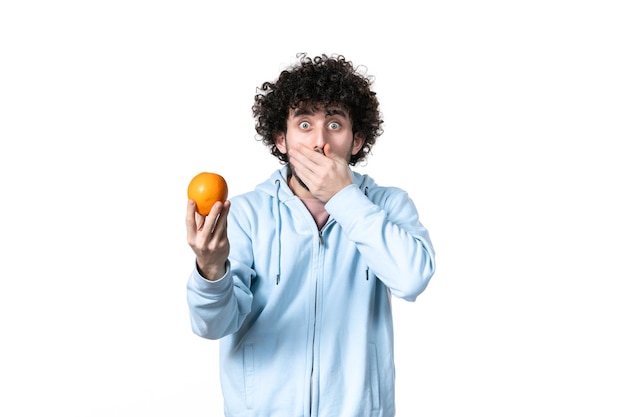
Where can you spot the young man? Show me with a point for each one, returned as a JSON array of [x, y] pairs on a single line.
[[295, 277]]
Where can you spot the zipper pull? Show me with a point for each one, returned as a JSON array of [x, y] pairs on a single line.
[[319, 234]]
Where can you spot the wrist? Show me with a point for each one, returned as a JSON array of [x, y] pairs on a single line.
[[211, 272]]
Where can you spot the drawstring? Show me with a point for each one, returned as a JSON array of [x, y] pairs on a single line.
[[367, 269], [278, 226]]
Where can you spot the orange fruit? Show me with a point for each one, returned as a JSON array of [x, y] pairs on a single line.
[[206, 189]]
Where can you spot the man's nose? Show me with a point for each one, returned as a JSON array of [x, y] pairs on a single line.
[[319, 140]]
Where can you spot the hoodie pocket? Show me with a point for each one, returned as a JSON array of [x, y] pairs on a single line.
[[248, 374], [374, 377]]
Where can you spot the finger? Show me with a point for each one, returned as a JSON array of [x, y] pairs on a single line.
[[301, 161], [190, 219], [211, 219], [220, 228], [200, 219], [302, 170], [194, 219], [315, 155], [328, 152], [332, 155]]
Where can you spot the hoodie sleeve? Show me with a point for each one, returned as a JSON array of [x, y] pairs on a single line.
[[389, 235], [217, 308]]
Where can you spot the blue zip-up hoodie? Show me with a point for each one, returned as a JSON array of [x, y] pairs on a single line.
[[304, 315]]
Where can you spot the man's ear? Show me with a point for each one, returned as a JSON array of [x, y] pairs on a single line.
[[279, 140], [357, 142]]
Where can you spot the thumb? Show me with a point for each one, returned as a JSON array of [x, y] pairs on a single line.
[[330, 153]]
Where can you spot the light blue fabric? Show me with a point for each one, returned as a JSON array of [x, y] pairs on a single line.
[[304, 316]]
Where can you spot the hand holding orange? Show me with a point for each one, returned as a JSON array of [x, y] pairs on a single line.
[[206, 189]]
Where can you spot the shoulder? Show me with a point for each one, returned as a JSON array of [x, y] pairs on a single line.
[[379, 194], [251, 202]]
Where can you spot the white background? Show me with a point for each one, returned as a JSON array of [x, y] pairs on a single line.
[[505, 121]]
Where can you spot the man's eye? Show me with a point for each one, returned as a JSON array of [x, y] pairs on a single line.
[[334, 125], [305, 125]]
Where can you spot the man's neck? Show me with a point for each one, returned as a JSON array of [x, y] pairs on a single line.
[[298, 189]]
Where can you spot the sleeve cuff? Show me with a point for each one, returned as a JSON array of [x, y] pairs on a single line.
[[216, 287]]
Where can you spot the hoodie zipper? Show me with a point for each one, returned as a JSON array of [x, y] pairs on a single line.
[[313, 364], [320, 236]]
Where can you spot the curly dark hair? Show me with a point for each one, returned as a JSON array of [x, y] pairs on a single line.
[[318, 82]]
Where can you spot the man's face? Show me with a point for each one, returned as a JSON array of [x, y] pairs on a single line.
[[316, 127]]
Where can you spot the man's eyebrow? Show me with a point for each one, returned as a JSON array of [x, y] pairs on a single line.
[[336, 112], [333, 111], [303, 111]]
